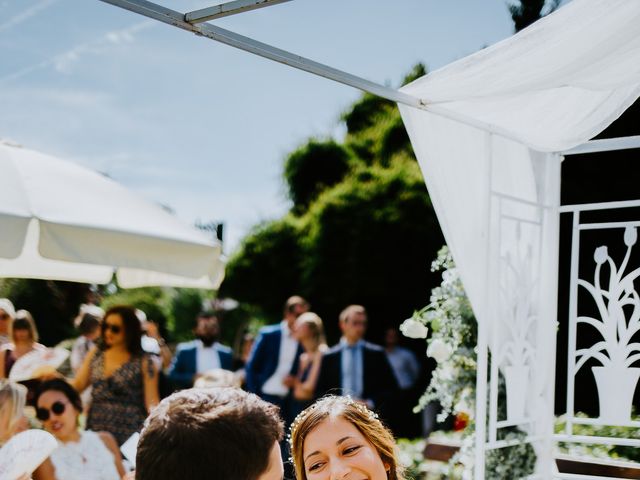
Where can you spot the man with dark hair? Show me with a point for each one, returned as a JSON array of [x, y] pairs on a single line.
[[193, 359], [211, 434], [275, 356]]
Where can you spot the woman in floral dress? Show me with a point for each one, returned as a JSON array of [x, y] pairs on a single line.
[[124, 380]]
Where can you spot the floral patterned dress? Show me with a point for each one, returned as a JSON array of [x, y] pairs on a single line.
[[117, 404]]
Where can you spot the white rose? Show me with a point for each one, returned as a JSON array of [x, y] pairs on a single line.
[[439, 350], [414, 329]]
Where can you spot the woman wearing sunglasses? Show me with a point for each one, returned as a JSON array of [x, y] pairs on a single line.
[[81, 455], [124, 380]]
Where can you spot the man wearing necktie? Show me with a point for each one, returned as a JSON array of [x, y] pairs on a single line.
[[355, 367]]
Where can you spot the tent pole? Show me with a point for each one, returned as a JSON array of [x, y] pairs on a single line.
[[177, 19], [229, 8]]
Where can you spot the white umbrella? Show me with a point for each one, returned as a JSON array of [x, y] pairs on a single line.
[[60, 221]]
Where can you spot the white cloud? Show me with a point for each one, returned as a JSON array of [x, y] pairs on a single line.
[[65, 61], [25, 14]]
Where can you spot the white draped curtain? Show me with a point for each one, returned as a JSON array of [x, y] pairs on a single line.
[[486, 143]]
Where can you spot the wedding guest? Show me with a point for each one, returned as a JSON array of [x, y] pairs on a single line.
[[81, 455], [217, 378], [240, 361], [355, 367], [152, 341], [273, 357], [406, 368], [309, 331], [221, 433], [23, 339], [88, 324], [124, 380], [7, 314], [13, 397], [338, 437], [192, 359]]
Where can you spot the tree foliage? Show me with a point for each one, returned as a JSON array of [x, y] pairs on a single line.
[[312, 168], [53, 304], [525, 12], [361, 228], [267, 267]]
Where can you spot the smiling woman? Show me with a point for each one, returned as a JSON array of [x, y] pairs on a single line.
[[337, 437]]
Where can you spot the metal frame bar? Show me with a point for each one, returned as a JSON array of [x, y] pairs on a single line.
[[605, 145], [580, 207], [227, 9], [593, 440], [573, 314], [177, 19]]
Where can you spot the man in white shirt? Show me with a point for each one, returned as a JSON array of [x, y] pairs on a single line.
[[199, 356], [275, 356]]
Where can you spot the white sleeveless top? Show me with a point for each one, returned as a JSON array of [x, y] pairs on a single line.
[[88, 459]]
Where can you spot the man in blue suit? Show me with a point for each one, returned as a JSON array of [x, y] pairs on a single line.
[[275, 356], [194, 358]]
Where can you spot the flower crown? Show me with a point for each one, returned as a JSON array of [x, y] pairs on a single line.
[[302, 415]]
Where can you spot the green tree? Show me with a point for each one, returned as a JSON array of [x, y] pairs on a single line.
[[361, 231], [369, 240], [312, 168], [53, 304], [525, 12], [267, 267]]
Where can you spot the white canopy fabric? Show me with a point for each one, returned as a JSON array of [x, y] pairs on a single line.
[[551, 87], [61, 221], [485, 144]]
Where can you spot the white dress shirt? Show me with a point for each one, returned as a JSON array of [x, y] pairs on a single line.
[[207, 358], [286, 357]]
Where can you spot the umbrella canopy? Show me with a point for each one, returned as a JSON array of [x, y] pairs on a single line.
[[60, 221]]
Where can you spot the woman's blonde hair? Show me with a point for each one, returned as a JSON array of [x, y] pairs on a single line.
[[13, 397], [316, 327], [24, 320], [355, 413]]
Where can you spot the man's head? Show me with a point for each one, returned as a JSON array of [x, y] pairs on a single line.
[[7, 314], [207, 328], [222, 433], [391, 338], [353, 323], [293, 308]]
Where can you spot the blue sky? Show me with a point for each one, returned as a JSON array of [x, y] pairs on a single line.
[[197, 125]]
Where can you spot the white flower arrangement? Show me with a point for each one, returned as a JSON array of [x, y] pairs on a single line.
[[452, 344], [414, 329]]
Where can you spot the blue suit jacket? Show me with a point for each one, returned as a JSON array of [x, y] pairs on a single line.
[[183, 366], [263, 360]]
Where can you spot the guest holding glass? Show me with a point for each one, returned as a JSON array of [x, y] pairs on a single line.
[[124, 380]]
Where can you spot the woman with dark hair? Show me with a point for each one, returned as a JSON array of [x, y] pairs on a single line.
[[81, 455], [124, 380]]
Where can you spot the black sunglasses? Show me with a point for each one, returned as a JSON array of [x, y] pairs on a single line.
[[116, 329], [58, 408]]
